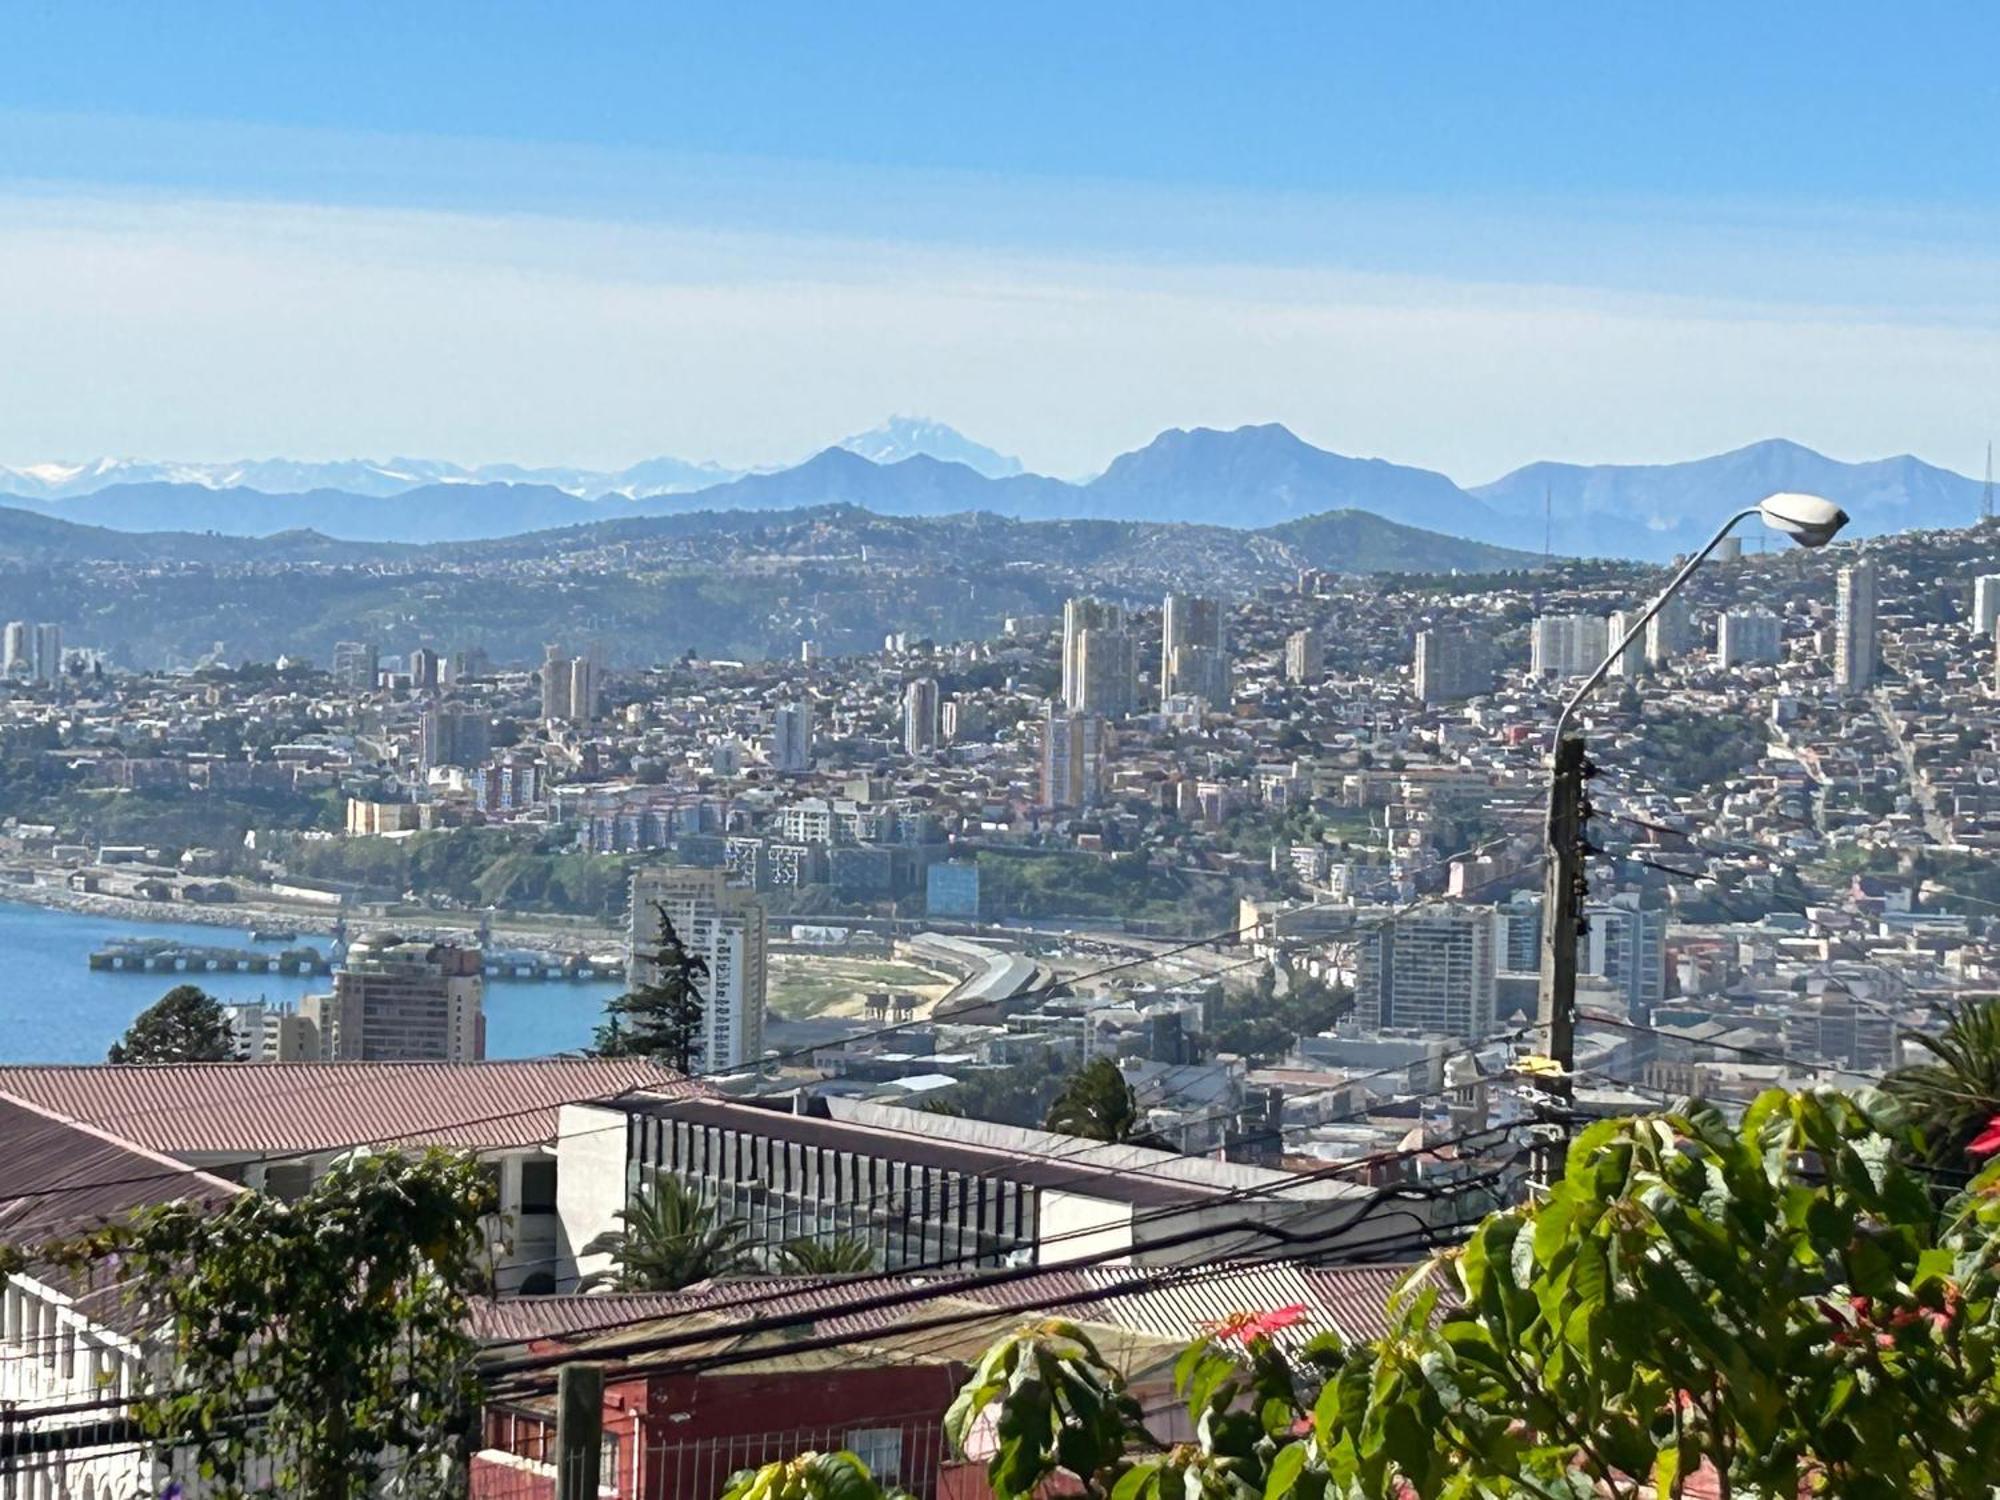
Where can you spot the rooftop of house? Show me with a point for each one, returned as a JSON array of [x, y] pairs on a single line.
[[224, 1110]]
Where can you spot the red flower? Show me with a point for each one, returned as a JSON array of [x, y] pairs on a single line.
[[1248, 1327], [1987, 1141]]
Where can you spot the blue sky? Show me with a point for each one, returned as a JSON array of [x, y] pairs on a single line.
[[1465, 236]]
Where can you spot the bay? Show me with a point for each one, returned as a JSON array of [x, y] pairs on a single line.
[[54, 1008]]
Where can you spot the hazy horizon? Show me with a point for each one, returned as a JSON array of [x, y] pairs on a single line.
[[1464, 245]]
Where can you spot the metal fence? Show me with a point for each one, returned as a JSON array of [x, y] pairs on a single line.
[[910, 1452]]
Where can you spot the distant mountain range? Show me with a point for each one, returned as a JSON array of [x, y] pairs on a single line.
[[892, 442], [1251, 477]]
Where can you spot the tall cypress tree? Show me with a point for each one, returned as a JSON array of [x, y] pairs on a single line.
[[661, 1015]]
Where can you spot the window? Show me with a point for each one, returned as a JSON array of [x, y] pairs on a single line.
[[538, 1186], [881, 1448], [287, 1180]]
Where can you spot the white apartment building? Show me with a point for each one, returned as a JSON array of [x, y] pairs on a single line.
[[1430, 971], [1567, 645], [725, 926]]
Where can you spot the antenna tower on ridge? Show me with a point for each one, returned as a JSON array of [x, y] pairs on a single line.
[[1548, 509], [1986, 495]]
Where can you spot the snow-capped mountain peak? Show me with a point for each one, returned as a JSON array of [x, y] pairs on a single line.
[[907, 437]]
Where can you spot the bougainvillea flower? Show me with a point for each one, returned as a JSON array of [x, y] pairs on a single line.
[[1248, 1327]]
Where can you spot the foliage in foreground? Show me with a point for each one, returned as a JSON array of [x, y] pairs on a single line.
[[1784, 1307], [325, 1338]]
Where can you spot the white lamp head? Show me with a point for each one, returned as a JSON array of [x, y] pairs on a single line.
[[1806, 519]]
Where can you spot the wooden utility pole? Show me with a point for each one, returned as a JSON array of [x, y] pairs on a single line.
[[1562, 924], [579, 1431]]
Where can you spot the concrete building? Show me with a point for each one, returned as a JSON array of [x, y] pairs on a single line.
[[401, 999], [725, 927], [1567, 645], [1627, 946], [355, 665], [1429, 971], [1747, 635], [792, 738], [1074, 751], [48, 651], [17, 650], [1986, 604], [1854, 649], [450, 734], [585, 680], [1098, 662], [922, 1189], [921, 720], [555, 677], [1668, 633], [426, 670], [1305, 657], [267, 1033], [1632, 660], [1194, 649], [1452, 664]]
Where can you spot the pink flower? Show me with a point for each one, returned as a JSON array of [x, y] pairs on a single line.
[[1248, 1327], [1987, 1141]]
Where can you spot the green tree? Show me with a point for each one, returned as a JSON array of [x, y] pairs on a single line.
[[660, 1016], [1951, 1097], [670, 1239], [325, 1338], [1097, 1103], [814, 1257], [184, 1025], [1780, 1307]]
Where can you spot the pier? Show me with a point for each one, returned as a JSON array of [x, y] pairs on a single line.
[[165, 956]]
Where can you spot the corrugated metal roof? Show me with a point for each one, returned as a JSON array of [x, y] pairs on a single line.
[[1164, 1303], [59, 1177], [248, 1109]]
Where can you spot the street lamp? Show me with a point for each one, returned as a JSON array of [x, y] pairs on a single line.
[[1807, 520]]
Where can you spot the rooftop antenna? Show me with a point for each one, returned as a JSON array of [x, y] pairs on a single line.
[[1986, 495]]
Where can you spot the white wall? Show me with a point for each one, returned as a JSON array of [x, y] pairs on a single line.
[[1073, 1226], [590, 1185]]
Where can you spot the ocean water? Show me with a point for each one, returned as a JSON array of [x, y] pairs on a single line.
[[55, 1008]]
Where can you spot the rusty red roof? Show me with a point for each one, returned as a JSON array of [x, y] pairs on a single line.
[[1165, 1302], [251, 1109], [60, 1178]]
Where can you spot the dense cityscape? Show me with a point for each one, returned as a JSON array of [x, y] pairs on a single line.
[[1382, 882]]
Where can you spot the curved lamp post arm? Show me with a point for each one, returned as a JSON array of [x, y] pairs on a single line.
[[1632, 634]]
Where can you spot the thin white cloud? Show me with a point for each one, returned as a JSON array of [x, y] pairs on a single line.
[[172, 327]]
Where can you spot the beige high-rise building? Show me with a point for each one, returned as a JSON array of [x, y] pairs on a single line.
[[1074, 750], [725, 926], [1854, 628], [402, 1000], [584, 677], [1100, 665], [555, 683], [921, 716], [1305, 658]]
